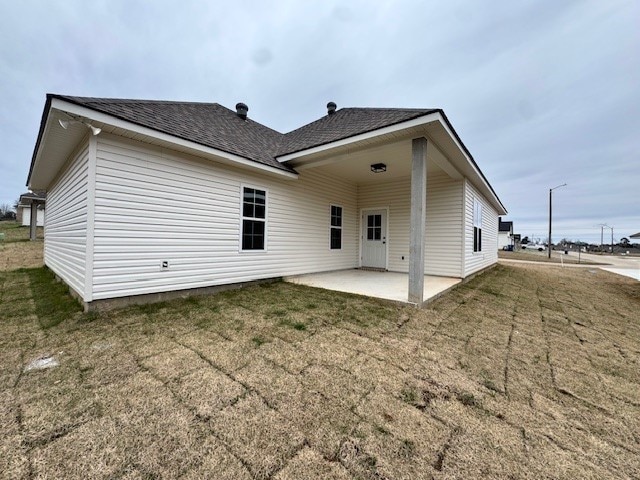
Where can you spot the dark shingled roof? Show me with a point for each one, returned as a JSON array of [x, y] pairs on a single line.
[[215, 126], [36, 195], [504, 226], [345, 123], [208, 124]]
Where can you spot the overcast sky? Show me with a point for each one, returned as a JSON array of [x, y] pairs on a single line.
[[541, 92]]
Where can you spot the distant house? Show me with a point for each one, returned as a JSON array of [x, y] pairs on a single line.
[[23, 212], [146, 197], [505, 233]]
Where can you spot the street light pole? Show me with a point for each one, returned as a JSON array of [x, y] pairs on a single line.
[[550, 213]]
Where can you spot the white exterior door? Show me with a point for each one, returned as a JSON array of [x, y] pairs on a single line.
[[374, 238]]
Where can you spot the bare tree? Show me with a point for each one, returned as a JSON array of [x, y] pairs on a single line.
[[7, 212]]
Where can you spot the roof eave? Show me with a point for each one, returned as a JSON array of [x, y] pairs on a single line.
[[43, 122], [102, 119], [376, 132], [437, 115]]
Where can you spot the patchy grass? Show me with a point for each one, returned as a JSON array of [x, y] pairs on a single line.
[[52, 302], [16, 251], [15, 232], [524, 372]]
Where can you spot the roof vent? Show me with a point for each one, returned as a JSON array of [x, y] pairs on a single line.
[[241, 110], [331, 108]]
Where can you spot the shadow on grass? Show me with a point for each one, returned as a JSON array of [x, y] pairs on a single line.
[[53, 302]]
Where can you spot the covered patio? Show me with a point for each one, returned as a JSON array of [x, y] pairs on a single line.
[[387, 285], [417, 191]]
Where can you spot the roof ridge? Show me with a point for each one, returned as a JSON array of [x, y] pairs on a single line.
[[370, 109], [131, 100], [392, 109]]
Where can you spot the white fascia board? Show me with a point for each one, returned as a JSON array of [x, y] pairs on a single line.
[[363, 136], [479, 175], [88, 113]]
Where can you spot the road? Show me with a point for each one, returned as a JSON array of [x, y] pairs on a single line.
[[622, 265]]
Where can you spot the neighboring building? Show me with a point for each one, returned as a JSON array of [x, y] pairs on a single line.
[[635, 235], [505, 233], [163, 196], [23, 211]]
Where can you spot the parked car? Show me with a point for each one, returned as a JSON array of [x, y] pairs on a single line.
[[531, 246]]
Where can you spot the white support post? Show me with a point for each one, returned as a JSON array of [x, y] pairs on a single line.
[[33, 221], [418, 220]]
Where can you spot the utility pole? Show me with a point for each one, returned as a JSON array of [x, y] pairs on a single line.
[[602, 227], [611, 240], [550, 211]]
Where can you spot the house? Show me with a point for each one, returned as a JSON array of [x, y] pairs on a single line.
[[147, 197], [505, 233], [36, 199]]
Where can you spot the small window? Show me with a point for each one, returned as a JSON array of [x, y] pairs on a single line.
[[336, 227], [254, 209], [374, 227], [477, 226]]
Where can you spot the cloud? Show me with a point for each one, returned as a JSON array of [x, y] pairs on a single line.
[[541, 92]]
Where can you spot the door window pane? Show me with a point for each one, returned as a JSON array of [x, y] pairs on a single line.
[[374, 227]]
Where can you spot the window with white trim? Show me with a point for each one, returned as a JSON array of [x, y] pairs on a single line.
[[336, 228], [254, 218], [477, 225]]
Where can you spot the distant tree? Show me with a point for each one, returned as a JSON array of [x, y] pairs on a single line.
[[624, 242], [7, 212], [525, 240]]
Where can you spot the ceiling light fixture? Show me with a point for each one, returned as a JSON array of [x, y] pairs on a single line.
[[378, 168]]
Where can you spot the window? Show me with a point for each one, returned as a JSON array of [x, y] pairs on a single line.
[[254, 209], [374, 227], [477, 226], [336, 227]]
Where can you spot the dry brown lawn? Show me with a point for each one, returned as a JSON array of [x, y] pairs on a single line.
[[524, 372], [16, 251]]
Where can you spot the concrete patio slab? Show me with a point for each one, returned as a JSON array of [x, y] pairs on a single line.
[[388, 285]]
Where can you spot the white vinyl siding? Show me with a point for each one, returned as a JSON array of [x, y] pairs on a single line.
[[504, 239], [66, 223], [475, 261], [443, 243], [155, 205]]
